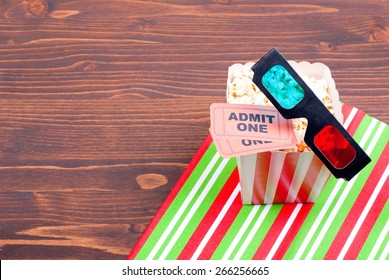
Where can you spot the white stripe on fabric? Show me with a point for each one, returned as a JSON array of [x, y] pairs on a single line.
[[366, 210], [253, 231], [350, 117], [326, 206], [244, 227], [379, 242], [216, 223], [284, 231], [193, 210], [319, 219], [343, 196], [184, 205], [385, 252]]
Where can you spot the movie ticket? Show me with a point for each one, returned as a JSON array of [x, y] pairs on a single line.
[[239, 147], [239, 129]]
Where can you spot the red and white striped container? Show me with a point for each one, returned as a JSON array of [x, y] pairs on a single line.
[[286, 177]]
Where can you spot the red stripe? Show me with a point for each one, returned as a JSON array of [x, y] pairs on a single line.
[[285, 180], [165, 205], [356, 210], [260, 177], [293, 230], [210, 216], [358, 206], [354, 124], [222, 229], [346, 110], [376, 208], [368, 223], [276, 228]]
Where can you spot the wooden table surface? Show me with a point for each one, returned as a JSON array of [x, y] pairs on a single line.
[[104, 103]]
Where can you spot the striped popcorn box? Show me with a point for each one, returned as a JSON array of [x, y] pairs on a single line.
[[296, 176], [281, 177]]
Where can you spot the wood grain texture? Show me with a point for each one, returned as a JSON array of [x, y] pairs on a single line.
[[104, 103]]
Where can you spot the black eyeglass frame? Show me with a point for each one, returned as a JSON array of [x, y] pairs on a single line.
[[311, 108]]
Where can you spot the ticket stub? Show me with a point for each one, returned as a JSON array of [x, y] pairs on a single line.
[[239, 147], [240, 129]]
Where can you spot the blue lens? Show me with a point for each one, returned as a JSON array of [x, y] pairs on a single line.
[[283, 87]]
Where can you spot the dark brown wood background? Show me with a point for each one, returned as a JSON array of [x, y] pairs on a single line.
[[104, 103]]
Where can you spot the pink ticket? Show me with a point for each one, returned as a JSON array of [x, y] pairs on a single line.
[[240, 129], [239, 147], [250, 121]]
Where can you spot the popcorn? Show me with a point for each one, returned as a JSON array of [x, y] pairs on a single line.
[[242, 90]]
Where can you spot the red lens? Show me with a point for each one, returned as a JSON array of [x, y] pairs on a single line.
[[332, 144]]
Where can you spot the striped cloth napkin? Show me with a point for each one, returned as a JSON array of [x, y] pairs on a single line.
[[204, 218]]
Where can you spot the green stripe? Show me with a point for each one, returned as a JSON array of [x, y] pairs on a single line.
[[310, 220], [202, 210], [246, 233], [187, 209], [232, 232], [384, 215], [332, 230], [385, 243], [176, 203], [382, 248], [262, 232], [258, 236], [375, 233]]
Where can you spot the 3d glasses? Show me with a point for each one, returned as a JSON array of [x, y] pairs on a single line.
[[326, 137]]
